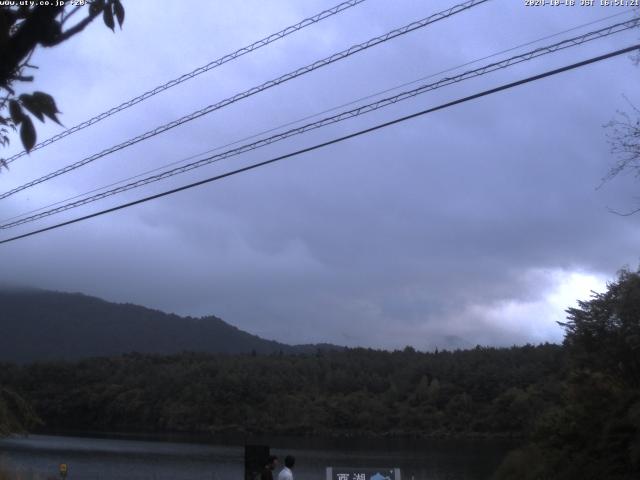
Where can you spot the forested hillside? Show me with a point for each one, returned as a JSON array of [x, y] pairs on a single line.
[[483, 391], [576, 405], [593, 432], [37, 325]]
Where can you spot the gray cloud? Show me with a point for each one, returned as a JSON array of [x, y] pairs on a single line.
[[449, 230]]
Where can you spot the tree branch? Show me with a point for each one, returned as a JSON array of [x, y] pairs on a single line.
[[70, 14], [31, 32], [623, 214], [77, 28]]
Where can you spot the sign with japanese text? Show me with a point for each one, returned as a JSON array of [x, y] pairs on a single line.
[[340, 473]]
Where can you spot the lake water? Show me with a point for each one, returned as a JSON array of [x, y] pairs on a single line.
[[120, 459]]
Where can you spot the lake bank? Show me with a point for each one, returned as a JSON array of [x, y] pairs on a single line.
[[119, 459]]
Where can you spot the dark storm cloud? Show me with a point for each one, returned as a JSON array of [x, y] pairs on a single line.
[[471, 225]]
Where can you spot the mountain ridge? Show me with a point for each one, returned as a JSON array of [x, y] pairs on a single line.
[[46, 325]]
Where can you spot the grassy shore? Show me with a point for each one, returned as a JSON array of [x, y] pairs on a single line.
[[9, 472]]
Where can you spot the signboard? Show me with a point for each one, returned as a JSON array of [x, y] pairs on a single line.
[[343, 473], [255, 458]]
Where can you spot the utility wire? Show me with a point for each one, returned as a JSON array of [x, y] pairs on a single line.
[[333, 141], [385, 102], [252, 91], [194, 73], [308, 117]]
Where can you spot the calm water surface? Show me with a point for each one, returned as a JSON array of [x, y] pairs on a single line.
[[119, 459]]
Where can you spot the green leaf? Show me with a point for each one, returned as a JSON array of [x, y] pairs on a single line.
[[16, 112], [27, 134], [94, 9], [107, 16], [5, 26], [46, 105], [23, 10], [118, 9], [32, 105]]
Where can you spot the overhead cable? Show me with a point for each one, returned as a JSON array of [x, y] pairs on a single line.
[[330, 142], [382, 103], [308, 117], [194, 73], [252, 91]]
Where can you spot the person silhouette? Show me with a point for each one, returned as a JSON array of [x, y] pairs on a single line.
[[286, 473], [269, 467]]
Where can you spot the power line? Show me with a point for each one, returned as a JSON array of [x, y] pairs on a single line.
[[308, 117], [382, 103], [194, 73], [252, 91], [314, 115], [333, 141]]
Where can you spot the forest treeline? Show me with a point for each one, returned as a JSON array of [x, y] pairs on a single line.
[[483, 391], [576, 406], [593, 432]]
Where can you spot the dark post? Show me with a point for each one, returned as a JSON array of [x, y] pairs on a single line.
[[255, 457]]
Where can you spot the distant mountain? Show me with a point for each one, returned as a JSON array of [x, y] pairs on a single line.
[[38, 325]]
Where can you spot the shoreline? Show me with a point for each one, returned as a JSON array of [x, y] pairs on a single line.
[[282, 440]]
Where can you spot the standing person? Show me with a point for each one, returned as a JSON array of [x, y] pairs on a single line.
[[270, 466], [286, 473]]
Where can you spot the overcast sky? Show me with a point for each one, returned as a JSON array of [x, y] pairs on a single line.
[[478, 224]]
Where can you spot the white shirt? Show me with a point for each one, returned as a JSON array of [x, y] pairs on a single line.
[[285, 474]]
